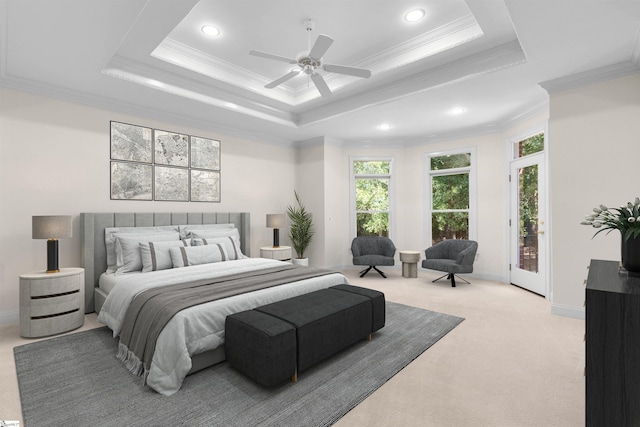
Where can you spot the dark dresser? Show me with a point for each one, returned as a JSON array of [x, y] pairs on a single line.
[[612, 346]]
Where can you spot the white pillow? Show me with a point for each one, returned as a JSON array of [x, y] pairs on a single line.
[[196, 255], [110, 239], [156, 256], [186, 230], [231, 240], [128, 249]]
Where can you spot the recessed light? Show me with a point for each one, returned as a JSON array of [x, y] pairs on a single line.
[[414, 15], [210, 30], [457, 111], [384, 126]]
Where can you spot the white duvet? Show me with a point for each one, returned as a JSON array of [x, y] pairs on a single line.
[[200, 328]]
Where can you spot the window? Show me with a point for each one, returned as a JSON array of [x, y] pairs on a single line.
[[533, 144], [371, 196], [451, 183]]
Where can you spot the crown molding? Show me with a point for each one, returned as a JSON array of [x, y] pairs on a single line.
[[146, 75], [121, 107], [589, 77]]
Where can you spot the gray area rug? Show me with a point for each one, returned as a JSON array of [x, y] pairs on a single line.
[[76, 380]]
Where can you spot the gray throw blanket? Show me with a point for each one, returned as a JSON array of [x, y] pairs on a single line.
[[152, 309]]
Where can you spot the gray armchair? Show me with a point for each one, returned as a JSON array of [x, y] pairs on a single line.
[[372, 251], [451, 256]]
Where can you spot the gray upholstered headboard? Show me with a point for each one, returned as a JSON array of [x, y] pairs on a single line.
[[94, 254]]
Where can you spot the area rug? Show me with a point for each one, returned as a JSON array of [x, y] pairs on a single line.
[[76, 380]]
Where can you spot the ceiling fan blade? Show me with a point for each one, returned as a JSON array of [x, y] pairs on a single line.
[[350, 71], [320, 47], [283, 79], [321, 85], [272, 56]]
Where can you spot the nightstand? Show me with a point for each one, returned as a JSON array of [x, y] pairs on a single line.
[[281, 253], [51, 303]]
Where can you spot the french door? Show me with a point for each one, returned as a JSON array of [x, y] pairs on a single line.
[[527, 224]]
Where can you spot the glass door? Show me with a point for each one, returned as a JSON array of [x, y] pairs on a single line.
[[527, 224]]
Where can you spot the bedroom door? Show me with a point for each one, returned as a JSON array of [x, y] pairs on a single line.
[[527, 224]]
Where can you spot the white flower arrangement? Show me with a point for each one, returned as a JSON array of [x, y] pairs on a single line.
[[626, 219]]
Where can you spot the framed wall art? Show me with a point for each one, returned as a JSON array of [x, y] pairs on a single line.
[[171, 148], [154, 164], [131, 181], [205, 153], [171, 184], [131, 143], [205, 186]]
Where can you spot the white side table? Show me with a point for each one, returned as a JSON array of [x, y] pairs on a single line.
[[409, 263], [281, 253], [51, 303]]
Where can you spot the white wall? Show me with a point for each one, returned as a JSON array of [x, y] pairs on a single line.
[[54, 160], [594, 151]]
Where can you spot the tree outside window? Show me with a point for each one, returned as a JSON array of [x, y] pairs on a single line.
[[372, 182], [450, 196]]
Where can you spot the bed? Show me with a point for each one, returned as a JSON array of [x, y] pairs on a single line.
[[193, 339]]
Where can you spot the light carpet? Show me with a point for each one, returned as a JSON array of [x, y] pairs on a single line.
[[76, 380]]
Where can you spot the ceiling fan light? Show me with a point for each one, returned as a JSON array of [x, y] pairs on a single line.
[[414, 15], [210, 30]]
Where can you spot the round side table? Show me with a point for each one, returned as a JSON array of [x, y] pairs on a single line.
[[409, 263]]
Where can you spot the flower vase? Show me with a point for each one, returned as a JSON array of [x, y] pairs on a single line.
[[631, 255]]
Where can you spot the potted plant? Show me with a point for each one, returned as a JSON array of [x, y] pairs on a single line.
[[301, 230], [626, 219]]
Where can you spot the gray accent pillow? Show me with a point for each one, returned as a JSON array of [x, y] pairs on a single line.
[[128, 257], [111, 233], [156, 256], [196, 255], [230, 238]]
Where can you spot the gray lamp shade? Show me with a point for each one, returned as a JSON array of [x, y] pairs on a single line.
[[275, 220], [51, 227]]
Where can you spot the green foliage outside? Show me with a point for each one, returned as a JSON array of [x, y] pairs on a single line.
[[372, 197], [528, 190], [450, 193]]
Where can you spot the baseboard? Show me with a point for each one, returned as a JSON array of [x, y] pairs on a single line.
[[567, 311], [9, 317]]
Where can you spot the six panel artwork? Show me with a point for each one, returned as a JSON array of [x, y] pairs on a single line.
[[154, 164]]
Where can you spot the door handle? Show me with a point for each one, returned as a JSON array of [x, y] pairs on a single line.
[[540, 232]]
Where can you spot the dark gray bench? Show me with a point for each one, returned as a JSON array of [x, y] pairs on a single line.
[[273, 343]]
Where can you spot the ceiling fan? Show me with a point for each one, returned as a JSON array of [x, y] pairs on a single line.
[[310, 61]]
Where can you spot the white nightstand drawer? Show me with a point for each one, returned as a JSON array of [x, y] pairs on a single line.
[[52, 286], [53, 305], [46, 326]]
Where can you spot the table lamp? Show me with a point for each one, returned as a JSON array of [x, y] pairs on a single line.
[[275, 221], [52, 228]]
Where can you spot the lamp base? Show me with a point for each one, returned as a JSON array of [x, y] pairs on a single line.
[[52, 256], [276, 238]]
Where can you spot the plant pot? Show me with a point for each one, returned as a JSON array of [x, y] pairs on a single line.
[[631, 255], [300, 261]]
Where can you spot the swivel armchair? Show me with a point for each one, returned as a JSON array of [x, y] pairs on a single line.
[[451, 256], [372, 251]]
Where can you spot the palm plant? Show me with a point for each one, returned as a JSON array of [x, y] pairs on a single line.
[[301, 231]]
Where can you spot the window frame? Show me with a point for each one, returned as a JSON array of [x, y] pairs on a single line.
[[473, 190], [352, 190]]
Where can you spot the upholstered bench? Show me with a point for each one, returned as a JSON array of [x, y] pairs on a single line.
[[273, 343]]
